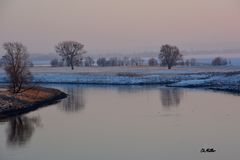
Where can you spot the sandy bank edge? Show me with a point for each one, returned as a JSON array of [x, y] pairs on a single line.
[[8, 112]]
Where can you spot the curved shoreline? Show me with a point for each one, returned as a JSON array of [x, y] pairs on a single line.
[[58, 95], [218, 81], [14, 111], [221, 78], [221, 81], [226, 88]]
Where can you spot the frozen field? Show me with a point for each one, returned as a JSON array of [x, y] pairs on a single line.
[[141, 70], [225, 78]]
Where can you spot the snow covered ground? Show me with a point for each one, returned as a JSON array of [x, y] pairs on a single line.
[[221, 78]]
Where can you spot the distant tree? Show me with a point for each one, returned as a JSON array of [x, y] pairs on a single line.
[[1, 62], [120, 62], [136, 61], [187, 62], [16, 62], [229, 62], [101, 62], [54, 62], [193, 62], [113, 61], [126, 61], [70, 52], [89, 61], [219, 61], [169, 55], [152, 62], [190, 62], [78, 61]]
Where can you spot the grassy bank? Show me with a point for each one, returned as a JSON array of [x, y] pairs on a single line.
[[29, 100]]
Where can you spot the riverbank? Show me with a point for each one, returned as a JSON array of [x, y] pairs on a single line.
[[30, 100], [224, 78]]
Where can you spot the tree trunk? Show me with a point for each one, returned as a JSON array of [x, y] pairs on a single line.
[[71, 62]]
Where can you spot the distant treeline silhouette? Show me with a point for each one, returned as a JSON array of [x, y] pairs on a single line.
[[71, 55]]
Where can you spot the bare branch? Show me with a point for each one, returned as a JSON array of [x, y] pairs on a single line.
[[69, 51], [16, 60]]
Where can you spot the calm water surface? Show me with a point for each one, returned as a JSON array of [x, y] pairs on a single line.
[[126, 123]]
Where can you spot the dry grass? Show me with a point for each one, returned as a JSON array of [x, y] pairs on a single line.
[[31, 96], [128, 74], [34, 95]]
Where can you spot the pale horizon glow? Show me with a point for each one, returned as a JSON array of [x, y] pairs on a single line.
[[121, 25]]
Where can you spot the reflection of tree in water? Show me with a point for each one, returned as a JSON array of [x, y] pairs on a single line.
[[75, 100], [170, 97], [21, 129]]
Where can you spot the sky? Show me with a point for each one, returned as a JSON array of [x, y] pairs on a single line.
[[115, 26]]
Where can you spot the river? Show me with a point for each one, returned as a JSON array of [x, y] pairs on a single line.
[[126, 123]]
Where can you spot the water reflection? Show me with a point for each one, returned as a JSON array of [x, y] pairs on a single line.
[[133, 89], [170, 97], [75, 100], [120, 122], [21, 129]]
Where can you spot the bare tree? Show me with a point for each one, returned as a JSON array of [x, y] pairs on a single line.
[[101, 62], [16, 62], [126, 61], [137, 61], [113, 61], [219, 61], [187, 62], [1, 62], [120, 62], [152, 62], [56, 63], [193, 62], [169, 55], [89, 61], [70, 51], [229, 62]]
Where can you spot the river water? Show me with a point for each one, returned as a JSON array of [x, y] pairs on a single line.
[[126, 123]]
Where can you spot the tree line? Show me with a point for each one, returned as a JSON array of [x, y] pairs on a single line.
[[16, 60], [71, 55]]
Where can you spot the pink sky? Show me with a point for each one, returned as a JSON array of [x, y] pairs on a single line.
[[121, 25]]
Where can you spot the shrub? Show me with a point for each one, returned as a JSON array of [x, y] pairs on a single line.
[[152, 62], [219, 61]]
